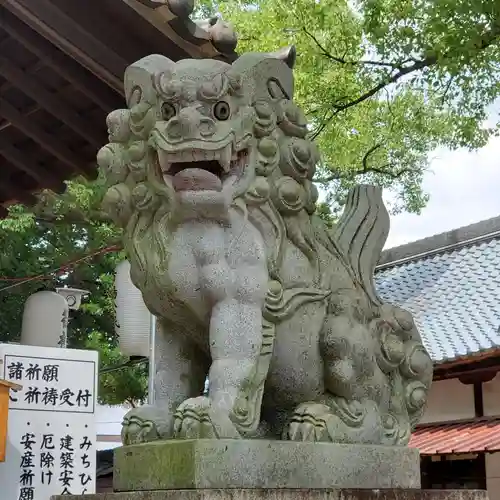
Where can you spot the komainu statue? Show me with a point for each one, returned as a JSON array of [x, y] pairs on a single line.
[[210, 175]]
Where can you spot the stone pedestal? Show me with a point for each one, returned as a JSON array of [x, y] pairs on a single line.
[[287, 494], [238, 463], [268, 470]]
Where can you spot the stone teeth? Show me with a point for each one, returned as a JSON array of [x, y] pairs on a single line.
[[172, 157], [166, 160], [225, 158]]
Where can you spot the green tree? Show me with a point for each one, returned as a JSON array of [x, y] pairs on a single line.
[[65, 240], [121, 379], [384, 82]]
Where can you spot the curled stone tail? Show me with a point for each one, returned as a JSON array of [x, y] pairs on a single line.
[[362, 232]]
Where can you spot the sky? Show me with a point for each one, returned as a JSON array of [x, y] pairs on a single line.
[[464, 188]]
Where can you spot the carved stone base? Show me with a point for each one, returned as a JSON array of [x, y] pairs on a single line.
[[200, 464], [283, 494]]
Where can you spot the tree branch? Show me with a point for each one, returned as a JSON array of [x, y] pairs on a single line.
[[367, 169], [338, 108], [44, 213], [448, 85], [424, 63], [486, 41], [342, 60], [61, 220]]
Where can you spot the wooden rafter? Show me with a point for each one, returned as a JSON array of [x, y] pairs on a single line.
[[64, 32], [44, 139], [29, 71], [9, 191], [5, 86], [50, 102], [28, 164], [63, 65]]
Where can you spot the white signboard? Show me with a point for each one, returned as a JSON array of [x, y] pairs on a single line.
[[51, 437]]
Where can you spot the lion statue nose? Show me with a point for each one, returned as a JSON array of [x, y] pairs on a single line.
[[190, 124]]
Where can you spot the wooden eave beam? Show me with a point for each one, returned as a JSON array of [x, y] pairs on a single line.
[[49, 102], [160, 18], [65, 33], [98, 92], [45, 140]]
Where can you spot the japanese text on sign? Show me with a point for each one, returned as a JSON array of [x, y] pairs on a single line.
[[68, 457], [43, 385], [51, 447]]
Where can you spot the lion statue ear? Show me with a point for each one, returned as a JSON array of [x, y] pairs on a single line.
[[287, 54], [267, 76], [140, 77]]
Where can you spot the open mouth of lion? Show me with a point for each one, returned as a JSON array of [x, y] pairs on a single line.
[[202, 170]]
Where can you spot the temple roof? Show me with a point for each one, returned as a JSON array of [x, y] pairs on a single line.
[[451, 284]]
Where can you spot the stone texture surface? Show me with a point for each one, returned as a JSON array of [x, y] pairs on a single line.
[[250, 287], [285, 494], [180, 464]]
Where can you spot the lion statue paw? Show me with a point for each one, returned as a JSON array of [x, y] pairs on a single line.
[[339, 421], [309, 423], [145, 424], [196, 418]]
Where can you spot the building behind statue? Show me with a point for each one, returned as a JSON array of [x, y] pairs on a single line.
[[451, 284]]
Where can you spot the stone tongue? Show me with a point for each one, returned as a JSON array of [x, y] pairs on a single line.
[[196, 179]]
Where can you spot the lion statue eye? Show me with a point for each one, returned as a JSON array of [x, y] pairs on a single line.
[[167, 111], [222, 110]]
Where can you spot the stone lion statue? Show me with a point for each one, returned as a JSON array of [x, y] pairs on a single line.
[[210, 175]]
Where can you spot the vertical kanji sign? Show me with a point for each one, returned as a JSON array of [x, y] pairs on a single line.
[[51, 435]]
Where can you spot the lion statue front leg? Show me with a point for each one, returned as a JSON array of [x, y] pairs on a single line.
[[236, 281], [180, 372], [145, 424]]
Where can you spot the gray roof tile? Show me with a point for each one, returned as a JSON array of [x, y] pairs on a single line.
[[454, 297]]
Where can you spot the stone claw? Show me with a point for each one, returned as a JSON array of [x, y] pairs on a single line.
[[145, 424], [192, 420], [309, 423], [196, 418]]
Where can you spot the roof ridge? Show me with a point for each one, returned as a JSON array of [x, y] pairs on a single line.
[[464, 421], [440, 243]]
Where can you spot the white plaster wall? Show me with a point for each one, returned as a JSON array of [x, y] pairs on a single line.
[[493, 475], [491, 397], [109, 423], [449, 400]]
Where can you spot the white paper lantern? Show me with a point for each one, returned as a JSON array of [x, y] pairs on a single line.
[[132, 316], [45, 318]]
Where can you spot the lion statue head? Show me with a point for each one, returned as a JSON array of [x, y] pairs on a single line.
[[200, 136]]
